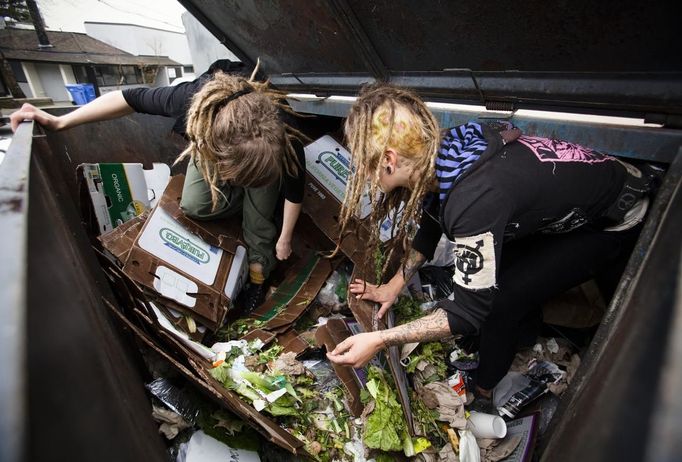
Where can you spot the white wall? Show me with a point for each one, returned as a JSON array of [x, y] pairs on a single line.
[[203, 46], [52, 81], [36, 88], [139, 40]]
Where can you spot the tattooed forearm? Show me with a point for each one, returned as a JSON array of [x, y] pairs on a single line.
[[414, 261], [429, 328]]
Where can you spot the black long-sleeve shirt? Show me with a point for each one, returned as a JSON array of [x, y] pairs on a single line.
[[174, 101], [530, 185]]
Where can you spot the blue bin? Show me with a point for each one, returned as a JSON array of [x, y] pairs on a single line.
[[78, 94], [89, 91]]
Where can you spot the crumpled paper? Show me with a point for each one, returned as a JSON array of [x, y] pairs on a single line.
[[494, 450], [171, 422], [450, 407], [287, 364], [447, 454]]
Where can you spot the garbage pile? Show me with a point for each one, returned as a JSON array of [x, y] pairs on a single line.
[[176, 281]]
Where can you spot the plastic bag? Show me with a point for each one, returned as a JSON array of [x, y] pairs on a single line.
[[325, 377], [333, 294], [468, 447], [436, 282], [444, 255], [175, 398]]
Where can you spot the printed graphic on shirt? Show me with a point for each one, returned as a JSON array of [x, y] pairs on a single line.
[[475, 261], [572, 220], [548, 150]]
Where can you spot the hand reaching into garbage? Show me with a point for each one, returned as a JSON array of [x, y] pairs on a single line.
[[357, 350], [30, 112], [386, 294]]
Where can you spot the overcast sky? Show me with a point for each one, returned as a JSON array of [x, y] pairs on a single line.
[[69, 15]]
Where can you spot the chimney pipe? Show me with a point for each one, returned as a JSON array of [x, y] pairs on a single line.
[[43, 41]]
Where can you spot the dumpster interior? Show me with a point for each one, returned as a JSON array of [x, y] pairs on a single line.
[[120, 349], [111, 361]]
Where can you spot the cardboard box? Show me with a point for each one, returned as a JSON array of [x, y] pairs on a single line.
[[328, 169], [190, 274], [120, 192]]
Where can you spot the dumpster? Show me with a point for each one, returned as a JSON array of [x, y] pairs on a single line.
[[63, 343]]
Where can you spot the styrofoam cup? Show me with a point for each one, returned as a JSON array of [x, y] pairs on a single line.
[[486, 425]]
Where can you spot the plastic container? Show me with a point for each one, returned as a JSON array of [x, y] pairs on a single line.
[[82, 93], [89, 91]]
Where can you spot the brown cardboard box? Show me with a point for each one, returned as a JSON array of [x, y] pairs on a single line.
[[184, 263], [327, 171]]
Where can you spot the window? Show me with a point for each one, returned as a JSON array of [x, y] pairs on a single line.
[[188, 69], [18, 70], [80, 73], [3, 88], [132, 74], [118, 75], [108, 76]]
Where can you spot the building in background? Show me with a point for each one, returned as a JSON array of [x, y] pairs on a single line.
[[146, 41], [204, 47], [44, 71]]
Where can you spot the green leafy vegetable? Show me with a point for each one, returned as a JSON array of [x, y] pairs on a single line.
[[385, 423], [407, 309], [434, 354]]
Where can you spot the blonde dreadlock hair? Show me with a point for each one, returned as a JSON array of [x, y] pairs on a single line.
[[241, 140], [389, 117]]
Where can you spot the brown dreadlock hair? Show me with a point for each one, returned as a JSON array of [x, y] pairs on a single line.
[[240, 139], [389, 117]]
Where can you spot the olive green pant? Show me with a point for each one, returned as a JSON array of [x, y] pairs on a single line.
[[257, 204]]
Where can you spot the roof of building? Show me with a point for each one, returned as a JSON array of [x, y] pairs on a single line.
[[127, 24], [70, 47]]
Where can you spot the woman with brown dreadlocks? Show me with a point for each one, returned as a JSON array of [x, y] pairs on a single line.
[[240, 151], [561, 212]]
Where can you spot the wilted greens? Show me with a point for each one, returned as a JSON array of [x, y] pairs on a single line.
[[385, 428]]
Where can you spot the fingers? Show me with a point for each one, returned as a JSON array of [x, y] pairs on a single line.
[[282, 252], [18, 117], [29, 112], [384, 308], [343, 347], [342, 354], [359, 286]]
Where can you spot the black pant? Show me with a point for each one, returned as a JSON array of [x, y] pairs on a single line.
[[534, 269]]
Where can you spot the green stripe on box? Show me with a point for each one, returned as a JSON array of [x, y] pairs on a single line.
[[288, 290], [115, 183]]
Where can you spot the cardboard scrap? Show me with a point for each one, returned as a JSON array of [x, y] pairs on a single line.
[[293, 295], [331, 334], [120, 240], [119, 192]]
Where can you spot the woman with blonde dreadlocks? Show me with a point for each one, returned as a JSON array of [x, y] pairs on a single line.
[[240, 151], [561, 212]]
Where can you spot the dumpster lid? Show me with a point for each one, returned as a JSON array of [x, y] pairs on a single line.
[[603, 57]]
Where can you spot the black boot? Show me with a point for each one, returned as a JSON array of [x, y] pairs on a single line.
[[251, 297]]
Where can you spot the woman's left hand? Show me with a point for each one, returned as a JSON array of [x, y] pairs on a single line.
[[283, 249]]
